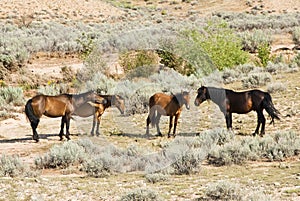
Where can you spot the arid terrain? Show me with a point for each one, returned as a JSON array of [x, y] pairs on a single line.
[[281, 179]]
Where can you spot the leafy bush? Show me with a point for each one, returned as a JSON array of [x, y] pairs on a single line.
[[220, 43], [11, 166], [12, 95], [228, 154], [264, 53], [251, 40], [224, 190], [138, 58], [187, 162], [276, 87], [62, 156], [256, 79], [100, 166], [141, 194], [156, 177], [296, 35]]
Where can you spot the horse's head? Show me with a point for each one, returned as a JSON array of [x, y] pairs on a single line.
[[201, 95], [119, 102], [185, 99]]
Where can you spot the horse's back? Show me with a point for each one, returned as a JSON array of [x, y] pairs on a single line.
[[159, 99]]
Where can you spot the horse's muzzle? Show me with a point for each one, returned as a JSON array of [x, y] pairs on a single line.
[[187, 107], [197, 102]]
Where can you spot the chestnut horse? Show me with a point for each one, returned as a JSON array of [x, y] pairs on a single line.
[[62, 105], [167, 105], [240, 102], [97, 109]]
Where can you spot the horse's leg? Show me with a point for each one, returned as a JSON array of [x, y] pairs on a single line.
[[34, 125], [61, 132], [93, 126], [259, 113], [170, 125], [175, 124], [148, 121], [157, 124], [98, 125], [263, 123], [228, 117], [68, 119]]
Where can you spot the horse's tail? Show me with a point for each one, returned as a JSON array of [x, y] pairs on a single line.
[[269, 107], [30, 113]]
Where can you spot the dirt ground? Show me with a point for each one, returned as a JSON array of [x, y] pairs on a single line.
[[16, 134]]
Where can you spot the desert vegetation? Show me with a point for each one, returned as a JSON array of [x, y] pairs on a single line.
[[141, 48]]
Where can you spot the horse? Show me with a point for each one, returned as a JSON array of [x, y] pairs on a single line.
[[230, 101], [62, 105], [97, 109], [166, 105]]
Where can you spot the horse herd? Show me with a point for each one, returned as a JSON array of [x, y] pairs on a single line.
[[92, 103]]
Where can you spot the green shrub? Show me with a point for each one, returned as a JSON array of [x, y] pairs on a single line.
[[12, 95], [264, 53], [137, 58], [11, 166], [220, 43], [141, 194]]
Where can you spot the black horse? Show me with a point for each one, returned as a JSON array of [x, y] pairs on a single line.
[[240, 102]]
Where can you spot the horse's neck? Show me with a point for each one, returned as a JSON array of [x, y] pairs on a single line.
[[177, 100], [217, 95]]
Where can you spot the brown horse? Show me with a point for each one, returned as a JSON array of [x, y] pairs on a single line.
[[62, 105], [167, 105], [240, 102], [97, 109]]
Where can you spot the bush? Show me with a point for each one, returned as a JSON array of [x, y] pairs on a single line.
[[224, 190], [252, 40], [12, 95], [228, 154], [220, 43], [141, 194], [62, 156], [156, 177], [11, 166], [276, 87], [296, 35], [256, 79], [138, 58], [264, 53], [100, 166]]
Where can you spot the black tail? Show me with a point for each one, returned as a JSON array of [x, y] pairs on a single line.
[[271, 110], [30, 113]]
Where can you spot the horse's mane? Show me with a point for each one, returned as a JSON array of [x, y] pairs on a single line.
[[216, 94]]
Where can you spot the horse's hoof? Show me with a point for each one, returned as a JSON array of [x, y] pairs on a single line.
[[36, 140], [159, 135], [254, 134]]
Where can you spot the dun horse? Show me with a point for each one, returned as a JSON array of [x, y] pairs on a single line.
[[240, 102], [167, 105], [62, 105], [97, 109]]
